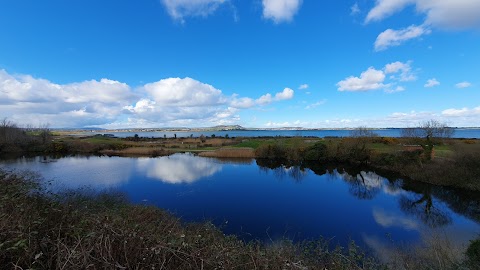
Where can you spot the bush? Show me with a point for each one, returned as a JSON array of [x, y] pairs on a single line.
[[316, 152], [473, 254], [271, 151]]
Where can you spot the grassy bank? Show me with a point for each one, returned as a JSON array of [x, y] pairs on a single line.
[[77, 231], [73, 230], [446, 162]]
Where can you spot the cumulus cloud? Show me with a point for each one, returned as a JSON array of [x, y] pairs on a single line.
[[385, 8], [109, 103], [447, 14], [246, 102], [432, 82], [280, 10], [38, 101], [373, 79], [242, 103], [464, 112], [391, 38], [264, 100], [112, 104], [179, 9], [286, 94], [404, 71], [184, 92], [463, 85]]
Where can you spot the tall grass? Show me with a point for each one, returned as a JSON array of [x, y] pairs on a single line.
[[76, 231], [230, 153], [138, 152]]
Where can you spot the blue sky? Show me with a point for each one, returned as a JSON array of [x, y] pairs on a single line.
[[256, 63]]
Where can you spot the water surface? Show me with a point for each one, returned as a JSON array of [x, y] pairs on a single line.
[[459, 133], [264, 201]]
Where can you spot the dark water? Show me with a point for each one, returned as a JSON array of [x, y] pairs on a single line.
[[459, 133], [263, 201]]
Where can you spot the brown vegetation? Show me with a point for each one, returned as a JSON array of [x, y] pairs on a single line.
[[137, 152], [230, 153], [76, 231]]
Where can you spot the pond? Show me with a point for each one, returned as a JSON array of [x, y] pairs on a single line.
[[265, 201]]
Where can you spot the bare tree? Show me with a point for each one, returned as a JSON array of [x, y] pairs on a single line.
[[436, 129], [9, 132], [364, 132], [429, 129], [44, 133]]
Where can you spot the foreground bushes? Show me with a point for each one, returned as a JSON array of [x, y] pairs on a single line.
[[75, 231]]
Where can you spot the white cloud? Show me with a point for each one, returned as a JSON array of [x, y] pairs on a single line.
[[242, 103], [286, 94], [184, 92], [280, 10], [264, 100], [391, 38], [371, 79], [109, 103], [178, 169], [142, 106], [28, 100], [432, 82], [464, 112], [385, 8], [463, 85], [316, 104], [388, 220], [403, 68], [179, 9], [448, 14], [303, 87], [296, 123]]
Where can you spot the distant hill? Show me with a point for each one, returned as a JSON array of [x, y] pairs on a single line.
[[228, 127]]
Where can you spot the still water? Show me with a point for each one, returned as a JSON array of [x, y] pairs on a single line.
[[458, 133], [267, 201]]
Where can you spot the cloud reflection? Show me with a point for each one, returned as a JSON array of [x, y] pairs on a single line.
[[366, 184], [78, 172], [179, 168], [387, 220]]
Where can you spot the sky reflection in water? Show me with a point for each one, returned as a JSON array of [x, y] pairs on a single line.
[[266, 201]]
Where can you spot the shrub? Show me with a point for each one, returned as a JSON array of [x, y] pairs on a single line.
[[318, 151], [473, 254]]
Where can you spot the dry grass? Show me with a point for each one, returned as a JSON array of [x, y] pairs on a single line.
[[230, 153], [138, 152], [76, 231]]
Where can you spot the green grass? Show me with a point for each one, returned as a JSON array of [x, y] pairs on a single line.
[[382, 148], [252, 143]]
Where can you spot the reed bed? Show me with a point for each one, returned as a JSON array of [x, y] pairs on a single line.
[[230, 153]]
